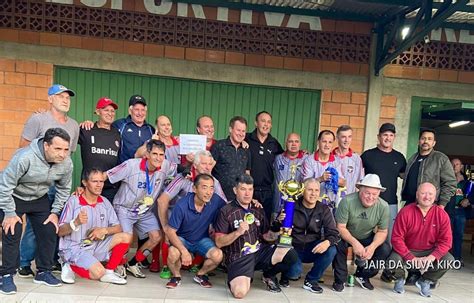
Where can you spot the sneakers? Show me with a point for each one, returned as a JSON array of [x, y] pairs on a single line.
[[424, 287], [337, 286], [121, 271], [25, 272], [272, 284], [8, 287], [67, 274], [284, 282], [173, 282], [433, 285], [111, 277], [47, 278], [135, 271], [145, 264], [399, 286], [154, 266], [165, 273], [312, 287], [203, 280], [364, 283], [56, 268]]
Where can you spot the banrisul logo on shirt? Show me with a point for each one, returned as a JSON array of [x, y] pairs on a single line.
[[362, 216]]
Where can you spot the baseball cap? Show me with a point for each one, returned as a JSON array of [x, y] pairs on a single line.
[[136, 99], [104, 102], [58, 88], [387, 127]]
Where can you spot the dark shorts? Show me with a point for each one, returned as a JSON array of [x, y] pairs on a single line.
[[247, 265]]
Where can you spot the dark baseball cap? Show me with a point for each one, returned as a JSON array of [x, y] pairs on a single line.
[[136, 99], [387, 127]]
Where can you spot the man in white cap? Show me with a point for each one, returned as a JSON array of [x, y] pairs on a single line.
[[358, 216]]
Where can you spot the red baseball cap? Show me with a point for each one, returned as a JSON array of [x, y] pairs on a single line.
[[104, 101]]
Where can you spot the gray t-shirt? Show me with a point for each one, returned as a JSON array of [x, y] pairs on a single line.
[[38, 124]]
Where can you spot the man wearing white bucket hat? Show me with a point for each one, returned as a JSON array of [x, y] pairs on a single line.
[[357, 216]]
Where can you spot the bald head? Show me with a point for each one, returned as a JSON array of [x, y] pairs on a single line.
[[163, 126], [293, 144], [426, 195]]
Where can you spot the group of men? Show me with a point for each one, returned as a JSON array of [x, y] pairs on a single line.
[[219, 204]]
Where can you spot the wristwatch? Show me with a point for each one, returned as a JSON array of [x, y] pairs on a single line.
[[73, 226]]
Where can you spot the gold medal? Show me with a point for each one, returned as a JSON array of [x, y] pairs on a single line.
[[249, 218], [148, 201]]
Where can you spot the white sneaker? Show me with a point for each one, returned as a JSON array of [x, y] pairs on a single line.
[[135, 271], [121, 272], [111, 277], [67, 275]]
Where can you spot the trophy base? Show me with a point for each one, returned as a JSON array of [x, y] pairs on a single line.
[[285, 241]]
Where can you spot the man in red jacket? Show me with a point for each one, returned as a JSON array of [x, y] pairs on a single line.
[[421, 239]]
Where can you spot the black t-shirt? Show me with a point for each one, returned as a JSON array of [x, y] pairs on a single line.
[[411, 183], [387, 166], [263, 156], [99, 149]]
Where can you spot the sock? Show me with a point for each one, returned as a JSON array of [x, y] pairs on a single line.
[[198, 260], [290, 258], [118, 251], [81, 272], [164, 253]]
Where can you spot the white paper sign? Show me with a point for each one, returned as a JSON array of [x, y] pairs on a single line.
[[191, 143]]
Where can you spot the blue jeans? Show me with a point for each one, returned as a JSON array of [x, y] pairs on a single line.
[[28, 241], [320, 262], [458, 222], [201, 247]]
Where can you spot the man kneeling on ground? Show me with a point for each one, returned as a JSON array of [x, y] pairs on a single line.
[[314, 237], [243, 231], [188, 231], [90, 234], [421, 239]]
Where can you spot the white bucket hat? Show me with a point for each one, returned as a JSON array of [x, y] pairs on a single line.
[[371, 180]]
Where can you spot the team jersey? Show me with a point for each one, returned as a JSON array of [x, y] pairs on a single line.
[[172, 151], [133, 188], [229, 219], [313, 168], [101, 214], [282, 165], [351, 168], [181, 186]]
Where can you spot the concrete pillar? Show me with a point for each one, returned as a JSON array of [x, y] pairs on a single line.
[[374, 98]]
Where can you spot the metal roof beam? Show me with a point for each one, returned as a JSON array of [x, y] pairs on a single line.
[[417, 33]]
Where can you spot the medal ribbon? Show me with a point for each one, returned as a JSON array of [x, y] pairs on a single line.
[[149, 184]]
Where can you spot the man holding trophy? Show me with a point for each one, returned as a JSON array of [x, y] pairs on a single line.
[[305, 220]]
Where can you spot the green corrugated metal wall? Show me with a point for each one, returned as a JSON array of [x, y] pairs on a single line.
[[184, 100]]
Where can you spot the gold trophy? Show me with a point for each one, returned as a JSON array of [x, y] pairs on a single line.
[[291, 190]]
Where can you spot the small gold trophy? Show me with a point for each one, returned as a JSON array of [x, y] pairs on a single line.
[[291, 190]]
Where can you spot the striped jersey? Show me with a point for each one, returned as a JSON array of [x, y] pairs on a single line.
[[181, 186], [101, 214], [172, 151], [133, 188], [313, 168], [283, 164], [351, 168]]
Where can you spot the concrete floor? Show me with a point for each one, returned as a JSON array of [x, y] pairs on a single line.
[[456, 286]]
